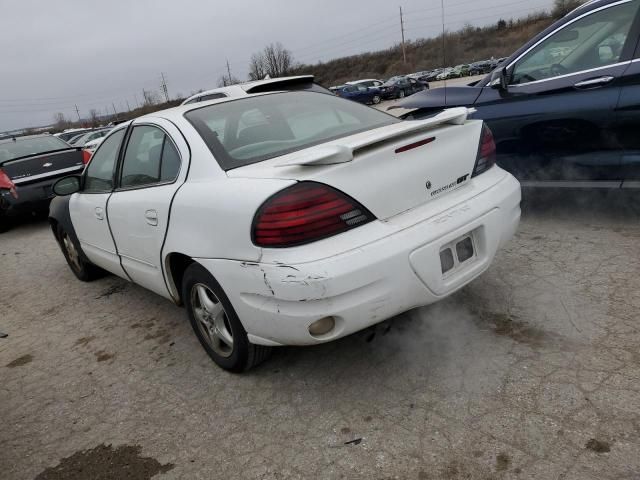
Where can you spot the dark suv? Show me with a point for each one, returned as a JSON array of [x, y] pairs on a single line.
[[400, 87], [565, 107]]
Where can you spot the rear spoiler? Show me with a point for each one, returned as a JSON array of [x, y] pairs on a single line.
[[333, 154], [34, 155]]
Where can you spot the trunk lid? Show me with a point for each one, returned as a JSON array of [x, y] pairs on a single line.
[[389, 170], [42, 166]]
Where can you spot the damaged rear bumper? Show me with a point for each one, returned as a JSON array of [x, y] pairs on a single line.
[[277, 302]]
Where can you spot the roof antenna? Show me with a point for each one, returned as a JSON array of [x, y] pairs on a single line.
[[444, 58]]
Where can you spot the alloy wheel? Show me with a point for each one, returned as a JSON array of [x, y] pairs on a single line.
[[212, 319]]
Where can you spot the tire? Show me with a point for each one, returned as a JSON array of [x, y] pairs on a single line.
[[81, 268], [401, 94], [5, 224], [376, 99], [209, 309]]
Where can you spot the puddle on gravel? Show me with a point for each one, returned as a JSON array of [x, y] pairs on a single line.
[[507, 326], [113, 289], [20, 361], [103, 356], [105, 462], [84, 341], [598, 446]]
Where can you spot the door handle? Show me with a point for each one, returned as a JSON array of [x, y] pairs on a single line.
[[99, 213], [594, 82], [151, 216]]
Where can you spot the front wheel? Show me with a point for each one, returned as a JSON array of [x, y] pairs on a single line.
[[401, 94], [81, 268], [376, 99], [216, 323]]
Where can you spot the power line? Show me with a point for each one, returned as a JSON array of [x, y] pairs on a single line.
[[164, 87], [404, 53]]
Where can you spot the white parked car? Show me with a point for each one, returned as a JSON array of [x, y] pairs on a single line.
[[290, 218], [92, 145], [300, 82]]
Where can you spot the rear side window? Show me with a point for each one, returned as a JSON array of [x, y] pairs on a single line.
[[99, 173], [261, 127], [150, 158]]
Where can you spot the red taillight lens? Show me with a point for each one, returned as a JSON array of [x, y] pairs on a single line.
[[7, 184], [86, 156], [486, 152], [304, 213]]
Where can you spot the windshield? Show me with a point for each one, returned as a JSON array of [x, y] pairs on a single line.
[[252, 129], [24, 146]]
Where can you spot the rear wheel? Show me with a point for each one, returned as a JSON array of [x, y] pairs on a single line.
[[81, 268], [5, 225], [216, 323]]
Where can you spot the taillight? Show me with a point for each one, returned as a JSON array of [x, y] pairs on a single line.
[[7, 184], [304, 213], [486, 152], [86, 156]]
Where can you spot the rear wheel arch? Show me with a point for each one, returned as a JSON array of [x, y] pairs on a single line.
[[176, 265]]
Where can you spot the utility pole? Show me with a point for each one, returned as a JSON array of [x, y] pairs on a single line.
[[114, 111], [164, 87], [78, 112], [229, 72], [404, 53]]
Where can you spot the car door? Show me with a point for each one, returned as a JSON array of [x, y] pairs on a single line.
[[88, 208], [151, 171], [556, 121], [415, 86]]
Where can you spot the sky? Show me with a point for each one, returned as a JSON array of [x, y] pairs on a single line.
[[56, 55]]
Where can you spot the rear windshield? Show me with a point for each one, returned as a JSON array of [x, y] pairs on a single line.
[[255, 128], [21, 147]]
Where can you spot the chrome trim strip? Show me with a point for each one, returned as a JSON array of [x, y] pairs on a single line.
[[631, 184], [604, 7], [48, 174], [570, 184], [619, 64]]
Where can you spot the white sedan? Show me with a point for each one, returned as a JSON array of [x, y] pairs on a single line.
[[289, 218]]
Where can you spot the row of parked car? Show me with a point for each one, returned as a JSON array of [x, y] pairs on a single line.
[[373, 91], [87, 138]]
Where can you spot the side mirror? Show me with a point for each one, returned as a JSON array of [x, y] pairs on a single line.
[[67, 186], [499, 79]]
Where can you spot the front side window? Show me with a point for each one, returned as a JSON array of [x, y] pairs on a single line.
[[261, 127], [590, 42], [150, 158], [99, 173]]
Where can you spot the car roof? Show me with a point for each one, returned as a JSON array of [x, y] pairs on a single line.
[[242, 89], [354, 82], [177, 113]]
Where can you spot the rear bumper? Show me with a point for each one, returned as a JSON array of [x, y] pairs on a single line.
[[33, 197], [277, 302]]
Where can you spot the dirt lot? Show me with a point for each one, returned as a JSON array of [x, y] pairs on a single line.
[[532, 371]]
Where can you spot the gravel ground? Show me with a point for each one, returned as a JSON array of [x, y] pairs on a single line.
[[531, 371]]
